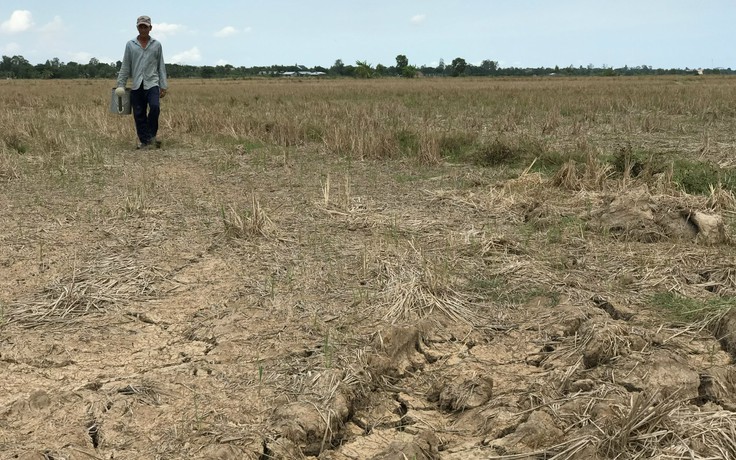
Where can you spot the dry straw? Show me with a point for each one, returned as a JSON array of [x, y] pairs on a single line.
[[254, 223], [417, 287], [110, 283]]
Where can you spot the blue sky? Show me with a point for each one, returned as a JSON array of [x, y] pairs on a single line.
[[519, 33]]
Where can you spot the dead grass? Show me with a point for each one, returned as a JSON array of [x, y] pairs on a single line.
[[252, 223], [92, 290], [648, 427], [417, 287]]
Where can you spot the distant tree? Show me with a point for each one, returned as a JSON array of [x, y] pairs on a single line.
[[363, 69], [72, 70], [6, 63], [608, 72], [409, 71], [338, 68], [90, 70], [349, 71], [207, 72], [427, 70], [488, 67], [401, 62], [458, 66], [20, 67]]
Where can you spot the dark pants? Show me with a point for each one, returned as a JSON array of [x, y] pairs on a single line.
[[146, 109]]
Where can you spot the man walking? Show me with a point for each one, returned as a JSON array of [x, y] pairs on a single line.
[[143, 63]]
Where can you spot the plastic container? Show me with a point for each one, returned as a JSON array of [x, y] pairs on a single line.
[[120, 105]]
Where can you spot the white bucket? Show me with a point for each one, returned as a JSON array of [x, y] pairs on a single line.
[[120, 105]]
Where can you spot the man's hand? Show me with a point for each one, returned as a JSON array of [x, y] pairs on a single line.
[[162, 93]]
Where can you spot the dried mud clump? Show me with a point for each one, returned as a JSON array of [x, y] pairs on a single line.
[[398, 352], [725, 332], [609, 342], [313, 425], [465, 386], [420, 447], [718, 386], [636, 215], [538, 430]]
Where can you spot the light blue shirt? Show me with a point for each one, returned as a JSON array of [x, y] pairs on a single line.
[[143, 65]]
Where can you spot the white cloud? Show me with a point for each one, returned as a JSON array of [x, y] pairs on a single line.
[[222, 62], [228, 31], [418, 19], [20, 21], [164, 29], [54, 27], [53, 35], [10, 49], [187, 57]]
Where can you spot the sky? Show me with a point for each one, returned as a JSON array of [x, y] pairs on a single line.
[[514, 33]]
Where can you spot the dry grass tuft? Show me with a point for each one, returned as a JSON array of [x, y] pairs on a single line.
[[568, 176], [416, 287], [593, 176], [648, 428], [711, 433], [135, 204], [9, 169], [721, 199], [250, 224], [639, 428]]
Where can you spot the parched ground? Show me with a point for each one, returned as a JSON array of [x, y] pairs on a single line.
[[259, 303]]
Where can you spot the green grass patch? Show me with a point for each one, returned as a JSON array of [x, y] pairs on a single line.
[[636, 162], [563, 228], [682, 308], [408, 142], [550, 161], [508, 152], [492, 288], [15, 143], [498, 289], [692, 176], [696, 177], [458, 146]]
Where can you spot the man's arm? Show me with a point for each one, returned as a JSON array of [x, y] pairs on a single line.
[[124, 68], [162, 80]]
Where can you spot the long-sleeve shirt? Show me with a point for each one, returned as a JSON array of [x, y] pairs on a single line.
[[143, 65]]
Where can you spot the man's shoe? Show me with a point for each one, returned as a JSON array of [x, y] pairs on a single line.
[[142, 146]]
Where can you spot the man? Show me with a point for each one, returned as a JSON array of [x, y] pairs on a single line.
[[143, 63]]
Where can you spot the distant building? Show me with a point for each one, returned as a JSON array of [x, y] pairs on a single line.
[[302, 73]]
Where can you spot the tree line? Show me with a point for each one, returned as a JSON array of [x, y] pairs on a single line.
[[19, 67]]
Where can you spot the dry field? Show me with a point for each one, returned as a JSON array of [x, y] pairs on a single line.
[[392, 270]]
